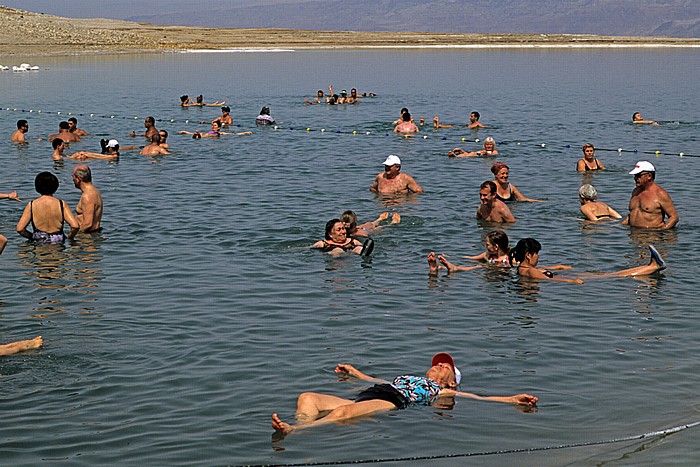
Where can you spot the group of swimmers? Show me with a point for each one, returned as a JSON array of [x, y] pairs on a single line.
[[336, 99]]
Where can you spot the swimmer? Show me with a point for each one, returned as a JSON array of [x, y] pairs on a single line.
[[336, 240], [488, 151], [319, 99], [163, 139], [154, 149], [491, 208], [89, 208], [437, 125], [594, 210], [225, 118], [65, 134], [650, 206], [59, 146], [497, 250], [474, 121], [150, 124], [264, 119], [215, 132], [185, 101], [349, 219], [437, 388], [47, 214], [506, 191], [200, 102], [527, 251], [73, 127], [400, 120], [392, 182], [20, 346], [406, 126], [637, 119], [589, 162], [18, 135]]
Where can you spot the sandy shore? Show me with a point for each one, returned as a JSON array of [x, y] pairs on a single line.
[[27, 34]]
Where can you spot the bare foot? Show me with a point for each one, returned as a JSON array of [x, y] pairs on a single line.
[[281, 427], [395, 218], [450, 267], [432, 262]]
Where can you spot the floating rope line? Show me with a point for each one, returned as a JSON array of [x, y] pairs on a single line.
[[370, 133], [651, 434]]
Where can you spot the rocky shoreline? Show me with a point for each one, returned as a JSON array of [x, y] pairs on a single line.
[[26, 34]]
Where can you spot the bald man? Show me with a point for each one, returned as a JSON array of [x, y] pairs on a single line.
[[89, 208]]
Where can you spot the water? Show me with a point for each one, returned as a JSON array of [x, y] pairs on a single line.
[[172, 336]]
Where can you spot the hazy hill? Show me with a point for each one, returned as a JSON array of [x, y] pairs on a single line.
[[675, 18]]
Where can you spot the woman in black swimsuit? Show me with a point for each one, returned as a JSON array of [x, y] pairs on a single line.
[[589, 163], [47, 214], [337, 241]]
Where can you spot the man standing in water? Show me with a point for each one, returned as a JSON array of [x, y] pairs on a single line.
[[150, 125], [22, 128], [492, 209], [474, 120], [392, 182], [89, 208], [650, 205]]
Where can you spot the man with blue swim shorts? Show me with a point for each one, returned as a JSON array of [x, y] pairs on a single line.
[[440, 382]]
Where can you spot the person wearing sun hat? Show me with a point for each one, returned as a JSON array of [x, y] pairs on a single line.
[[392, 181], [440, 382], [650, 205]]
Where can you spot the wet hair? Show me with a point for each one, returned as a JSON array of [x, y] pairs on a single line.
[[349, 217], [406, 116], [163, 137], [498, 238], [217, 123], [83, 173], [587, 145], [404, 110], [63, 126], [225, 108], [329, 227], [319, 92], [490, 185], [155, 138], [21, 123], [200, 99], [74, 120], [522, 248], [332, 99], [498, 166], [46, 183], [56, 142], [265, 111], [588, 192], [184, 98], [635, 114], [476, 114], [151, 120]]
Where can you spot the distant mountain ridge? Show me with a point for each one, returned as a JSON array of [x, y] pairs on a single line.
[[673, 18]]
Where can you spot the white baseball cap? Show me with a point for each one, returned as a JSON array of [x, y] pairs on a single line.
[[392, 160], [643, 166], [112, 143]]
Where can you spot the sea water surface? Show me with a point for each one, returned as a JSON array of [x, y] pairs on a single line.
[[172, 336]]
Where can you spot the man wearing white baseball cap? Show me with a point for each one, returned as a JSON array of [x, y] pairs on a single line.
[[650, 205], [392, 181], [440, 382]]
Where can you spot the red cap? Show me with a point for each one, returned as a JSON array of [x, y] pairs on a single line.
[[443, 357]]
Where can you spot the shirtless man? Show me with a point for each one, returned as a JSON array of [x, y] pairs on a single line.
[[89, 208], [65, 134], [73, 127], [638, 119], [492, 209], [392, 182], [22, 128], [154, 149], [406, 126], [150, 124], [474, 120], [650, 205]]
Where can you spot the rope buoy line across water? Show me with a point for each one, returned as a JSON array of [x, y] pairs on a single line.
[[651, 434], [346, 132]]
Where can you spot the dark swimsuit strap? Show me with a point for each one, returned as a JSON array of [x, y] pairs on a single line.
[[31, 214]]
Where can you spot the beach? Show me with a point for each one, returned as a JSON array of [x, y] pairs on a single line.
[[31, 34]]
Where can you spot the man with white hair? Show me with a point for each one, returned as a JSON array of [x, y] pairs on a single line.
[[392, 182], [650, 205]]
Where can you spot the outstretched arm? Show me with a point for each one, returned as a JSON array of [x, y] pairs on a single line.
[[518, 399], [347, 369]]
